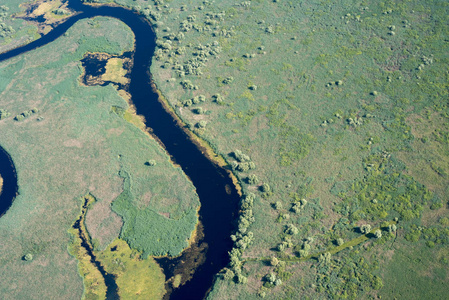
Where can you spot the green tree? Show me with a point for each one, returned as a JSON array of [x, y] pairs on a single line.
[[378, 234], [365, 229], [252, 179], [28, 257]]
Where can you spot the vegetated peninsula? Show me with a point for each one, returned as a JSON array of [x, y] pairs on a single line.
[[333, 116]]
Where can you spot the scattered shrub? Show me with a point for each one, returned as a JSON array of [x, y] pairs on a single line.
[[19, 118], [241, 157], [252, 179], [228, 80], [274, 261], [265, 187], [278, 205], [392, 228], [198, 110], [291, 229], [365, 229], [201, 124], [28, 257], [325, 258], [151, 162], [378, 234], [4, 114], [218, 98]]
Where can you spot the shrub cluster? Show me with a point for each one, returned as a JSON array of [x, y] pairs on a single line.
[[243, 162], [218, 98], [305, 248], [297, 206], [4, 114], [5, 30], [252, 179], [194, 100], [26, 114], [187, 85], [242, 239]]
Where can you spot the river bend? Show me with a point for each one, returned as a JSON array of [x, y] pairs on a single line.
[[218, 205]]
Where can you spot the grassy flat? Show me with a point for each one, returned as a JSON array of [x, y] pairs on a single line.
[[342, 104]]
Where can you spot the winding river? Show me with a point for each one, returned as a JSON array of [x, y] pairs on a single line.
[[9, 189], [217, 193]]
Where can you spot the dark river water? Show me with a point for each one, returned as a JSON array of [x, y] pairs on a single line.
[[217, 193], [8, 173]]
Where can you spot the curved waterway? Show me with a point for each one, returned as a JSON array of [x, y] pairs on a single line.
[[217, 193], [10, 188]]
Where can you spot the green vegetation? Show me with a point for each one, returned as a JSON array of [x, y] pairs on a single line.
[[168, 234], [335, 120], [135, 276], [94, 283], [76, 144], [14, 32], [333, 116], [5, 30]]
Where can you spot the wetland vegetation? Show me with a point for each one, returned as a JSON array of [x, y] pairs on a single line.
[[332, 116]]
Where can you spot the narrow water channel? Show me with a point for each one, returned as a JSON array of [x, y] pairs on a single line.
[[217, 193], [109, 279]]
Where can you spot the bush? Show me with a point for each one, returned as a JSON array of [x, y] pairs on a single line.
[[265, 188], [296, 208], [247, 202], [28, 257], [270, 277], [365, 229], [274, 261], [4, 114], [277, 205], [151, 162], [19, 118], [243, 167], [392, 228], [241, 157], [378, 234], [241, 279], [444, 221], [282, 246], [228, 274], [201, 124], [198, 110], [291, 229], [252, 179], [430, 244], [218, 98], [59, 12], [325, 258], [228, 80]]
